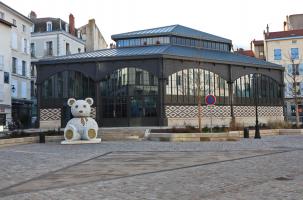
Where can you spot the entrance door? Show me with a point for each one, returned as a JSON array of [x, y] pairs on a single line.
[[143, 111]]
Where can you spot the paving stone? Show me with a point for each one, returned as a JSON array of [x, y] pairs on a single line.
[[270, 168]]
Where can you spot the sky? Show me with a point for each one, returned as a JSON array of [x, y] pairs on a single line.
[[238, 20]]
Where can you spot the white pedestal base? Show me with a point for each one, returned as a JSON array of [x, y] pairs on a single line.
[[94, 141]]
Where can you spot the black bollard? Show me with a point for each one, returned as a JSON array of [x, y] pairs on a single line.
[[246, 133], [42, 137]]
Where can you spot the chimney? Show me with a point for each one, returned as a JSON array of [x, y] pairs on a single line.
[[284, 26], [267, 29], [71, 24], [92, 21], [32, 15]]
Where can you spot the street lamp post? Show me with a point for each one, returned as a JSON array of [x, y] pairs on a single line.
[[257, 128]]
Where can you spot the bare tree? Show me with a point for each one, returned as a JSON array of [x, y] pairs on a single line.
[[292, 78]]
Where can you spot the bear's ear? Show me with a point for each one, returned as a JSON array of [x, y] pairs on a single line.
[[71, 101], [90, 101]]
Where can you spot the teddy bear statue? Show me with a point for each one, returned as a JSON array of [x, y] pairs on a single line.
[[82, 128]]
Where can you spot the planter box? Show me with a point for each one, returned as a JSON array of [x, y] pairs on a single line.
[[14, 141], [56, 138], [290, 131], [192, 137]]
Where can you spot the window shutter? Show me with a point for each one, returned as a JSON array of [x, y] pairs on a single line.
[[22, 45], [28, 69], [14, 40], [19, 67], [23, 89], [301, 69], [28, 47], [1, 92]]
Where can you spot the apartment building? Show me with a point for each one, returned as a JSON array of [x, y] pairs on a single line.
[[16, 70], [5, 70], [286, 48]]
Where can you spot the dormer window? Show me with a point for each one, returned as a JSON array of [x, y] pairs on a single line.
[[49, 26]]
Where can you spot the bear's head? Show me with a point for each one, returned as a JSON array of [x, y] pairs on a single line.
[[80, 108]]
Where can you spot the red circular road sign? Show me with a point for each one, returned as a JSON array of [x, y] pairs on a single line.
[[210, 99]]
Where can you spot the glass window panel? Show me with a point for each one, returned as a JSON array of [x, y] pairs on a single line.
[[168, 86], [207, 83], [191, 82], [174, 84]]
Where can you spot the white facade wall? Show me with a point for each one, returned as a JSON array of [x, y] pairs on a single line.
[[285, 44], [5, 66], [21, 51], [15, 43], [59, 40]]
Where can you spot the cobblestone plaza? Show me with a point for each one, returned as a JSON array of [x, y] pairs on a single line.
[[270, 168]]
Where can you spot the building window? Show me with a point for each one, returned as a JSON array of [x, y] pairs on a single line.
[[294, 41], [23, 28], [277, 54], [1, 15], [79, 50], [14, 22], [67, 49], [14, 65], [49, 48], [49, 26], [6, 77], [294, 53], [66, 27], [23, 68], [33, 50]]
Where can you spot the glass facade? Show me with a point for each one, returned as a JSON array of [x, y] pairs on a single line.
[[185, 85], [143, 41], [174, 40], [269, 91], [67, 84], [204, 44], [129, 92]]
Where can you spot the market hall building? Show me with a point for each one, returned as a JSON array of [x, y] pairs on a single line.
[[153, 78]]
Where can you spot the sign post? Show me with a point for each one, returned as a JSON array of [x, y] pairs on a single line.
[[210, 101]]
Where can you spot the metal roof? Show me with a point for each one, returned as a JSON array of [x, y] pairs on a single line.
[[177, 30], [169, 50]]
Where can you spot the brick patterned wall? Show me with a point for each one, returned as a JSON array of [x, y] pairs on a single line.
[[192, 111], [221, 111], [50, 114], [249, 111]]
